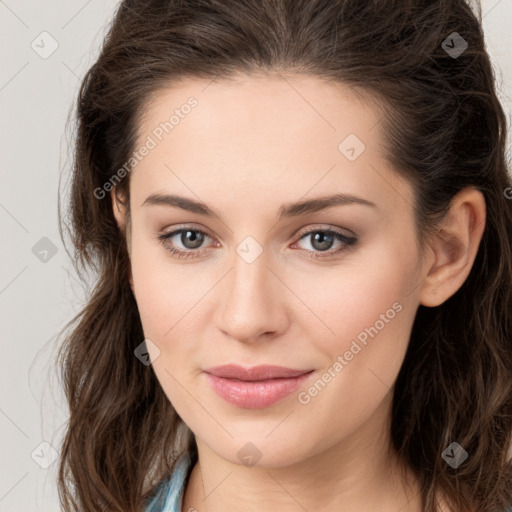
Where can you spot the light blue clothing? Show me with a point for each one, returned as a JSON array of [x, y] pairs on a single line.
[[169, 494]]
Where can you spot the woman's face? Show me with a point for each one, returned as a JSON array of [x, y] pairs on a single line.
[[264, 282]]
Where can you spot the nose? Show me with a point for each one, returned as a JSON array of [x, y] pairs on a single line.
[[251, 302]]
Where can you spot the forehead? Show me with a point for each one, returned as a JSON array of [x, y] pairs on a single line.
[[270, 135], [262, 107]]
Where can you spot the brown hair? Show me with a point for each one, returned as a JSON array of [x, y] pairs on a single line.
[[445, 130]]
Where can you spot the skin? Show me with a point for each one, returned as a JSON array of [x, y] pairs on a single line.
[[250, 146]]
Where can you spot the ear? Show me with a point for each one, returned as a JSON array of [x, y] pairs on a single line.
[[119, 208], [454, 247]]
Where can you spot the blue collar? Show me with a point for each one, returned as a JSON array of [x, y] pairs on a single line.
[[169, 493]]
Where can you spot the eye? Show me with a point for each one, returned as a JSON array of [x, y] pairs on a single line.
[[323, 239], [191, 240]]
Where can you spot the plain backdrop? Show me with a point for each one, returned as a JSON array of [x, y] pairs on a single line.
[[45, 49]]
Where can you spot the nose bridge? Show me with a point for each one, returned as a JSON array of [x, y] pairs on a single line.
[[251, 303]]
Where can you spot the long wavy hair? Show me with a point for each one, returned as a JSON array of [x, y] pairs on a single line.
[[444, 130]]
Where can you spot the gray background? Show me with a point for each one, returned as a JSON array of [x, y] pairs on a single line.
[[39, 292]]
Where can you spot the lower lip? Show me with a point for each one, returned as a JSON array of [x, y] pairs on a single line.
[[255, 394]]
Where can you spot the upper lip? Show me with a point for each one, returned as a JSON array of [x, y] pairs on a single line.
[[262, 372]]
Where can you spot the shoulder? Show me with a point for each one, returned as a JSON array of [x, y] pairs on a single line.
[[168, 496]]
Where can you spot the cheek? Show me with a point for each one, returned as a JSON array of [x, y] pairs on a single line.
[[170, 300], [157, 289], [366, 297], [369, 310]]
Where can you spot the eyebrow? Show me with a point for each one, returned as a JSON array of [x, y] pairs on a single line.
[[286, 211]]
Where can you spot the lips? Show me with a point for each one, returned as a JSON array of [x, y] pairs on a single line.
[[255, 387], [262, 372]]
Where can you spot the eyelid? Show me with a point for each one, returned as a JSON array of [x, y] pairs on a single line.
[[188, 227], [325, 227]]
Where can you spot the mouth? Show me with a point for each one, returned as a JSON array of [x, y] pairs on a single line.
[[256, 387]]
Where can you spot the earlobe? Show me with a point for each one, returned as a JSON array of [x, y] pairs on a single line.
[[454, 247]]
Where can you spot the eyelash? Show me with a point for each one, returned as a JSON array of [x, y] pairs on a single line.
[[348, 242]]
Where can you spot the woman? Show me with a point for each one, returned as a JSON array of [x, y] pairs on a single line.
[[299, 216]]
